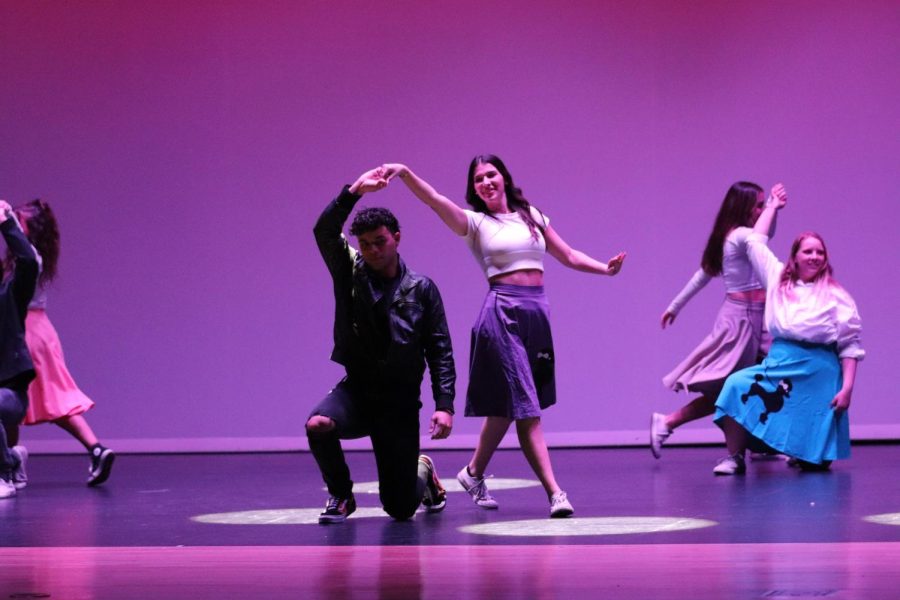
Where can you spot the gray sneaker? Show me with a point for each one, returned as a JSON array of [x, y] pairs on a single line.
[[435, 498], [477, 489], [19, 476], [731, 465], [659, 433], [560, 507]]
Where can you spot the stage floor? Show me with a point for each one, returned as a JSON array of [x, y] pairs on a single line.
[[244, 525]]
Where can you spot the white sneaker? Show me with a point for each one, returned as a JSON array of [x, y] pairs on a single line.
[[560, 507], [659, 433], [19, 476], [7, 489], [731, 465], [477, 489]]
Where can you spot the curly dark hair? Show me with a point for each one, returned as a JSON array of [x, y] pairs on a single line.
[[40, 226], [370, 219]]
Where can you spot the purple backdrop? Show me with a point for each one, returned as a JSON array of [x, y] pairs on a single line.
[[188, 148]]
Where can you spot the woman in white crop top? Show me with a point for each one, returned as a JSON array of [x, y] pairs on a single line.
[[795, 402], [511, 362], [738, 337]]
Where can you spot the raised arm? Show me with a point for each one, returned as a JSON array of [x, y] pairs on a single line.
[[768, 268], [26, 270], [338, 254], [765, 224], [447, 210], [578, 260]]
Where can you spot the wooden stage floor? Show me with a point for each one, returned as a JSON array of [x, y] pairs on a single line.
[[244, 526]]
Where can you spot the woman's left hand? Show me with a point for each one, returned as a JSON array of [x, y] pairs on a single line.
[[841, 401], [615, 264]]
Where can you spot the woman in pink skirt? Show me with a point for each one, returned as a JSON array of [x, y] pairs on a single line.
[[738, 339], [53, 395]]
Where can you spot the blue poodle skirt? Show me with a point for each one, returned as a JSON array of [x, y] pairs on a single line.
[[785, 402]]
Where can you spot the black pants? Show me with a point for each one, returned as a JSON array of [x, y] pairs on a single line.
[[392, 421]]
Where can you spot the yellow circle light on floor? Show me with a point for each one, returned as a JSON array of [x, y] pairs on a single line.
[[452, 485], [885, 519], [587, 526], [283, 516]]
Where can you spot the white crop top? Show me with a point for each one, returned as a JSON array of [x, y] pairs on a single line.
[[737, 272], [502, 242]]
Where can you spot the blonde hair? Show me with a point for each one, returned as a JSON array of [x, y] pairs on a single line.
[[823, 280]]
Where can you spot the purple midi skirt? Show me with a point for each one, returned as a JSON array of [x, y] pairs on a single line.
[[511, 361]]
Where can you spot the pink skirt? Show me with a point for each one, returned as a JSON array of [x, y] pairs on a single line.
[[53, 393], [738, 340]]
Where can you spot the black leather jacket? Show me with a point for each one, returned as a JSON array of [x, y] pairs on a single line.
[[16, 368], [417, 324]]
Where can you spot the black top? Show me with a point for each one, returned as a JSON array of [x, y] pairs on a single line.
[[413, 317], [16, 368]]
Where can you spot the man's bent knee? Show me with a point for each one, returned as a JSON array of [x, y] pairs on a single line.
[[11, 415], [401, 511], [319, 424]]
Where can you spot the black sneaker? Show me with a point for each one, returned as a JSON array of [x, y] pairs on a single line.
[[337, 510], [101, 464], [435, 498], [814, 467]]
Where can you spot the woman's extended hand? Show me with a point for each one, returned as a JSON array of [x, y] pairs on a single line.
[[778, 195], [392, 170], [668, 318], [370, 181], [615, 264]]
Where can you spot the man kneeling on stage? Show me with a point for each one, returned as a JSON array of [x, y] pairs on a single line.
[[389, 321]]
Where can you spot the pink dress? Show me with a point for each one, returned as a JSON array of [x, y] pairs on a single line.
[[53, 393]]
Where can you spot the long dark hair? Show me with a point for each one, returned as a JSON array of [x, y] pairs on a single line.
[[43, 232], [514, 197], [736, 211]]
